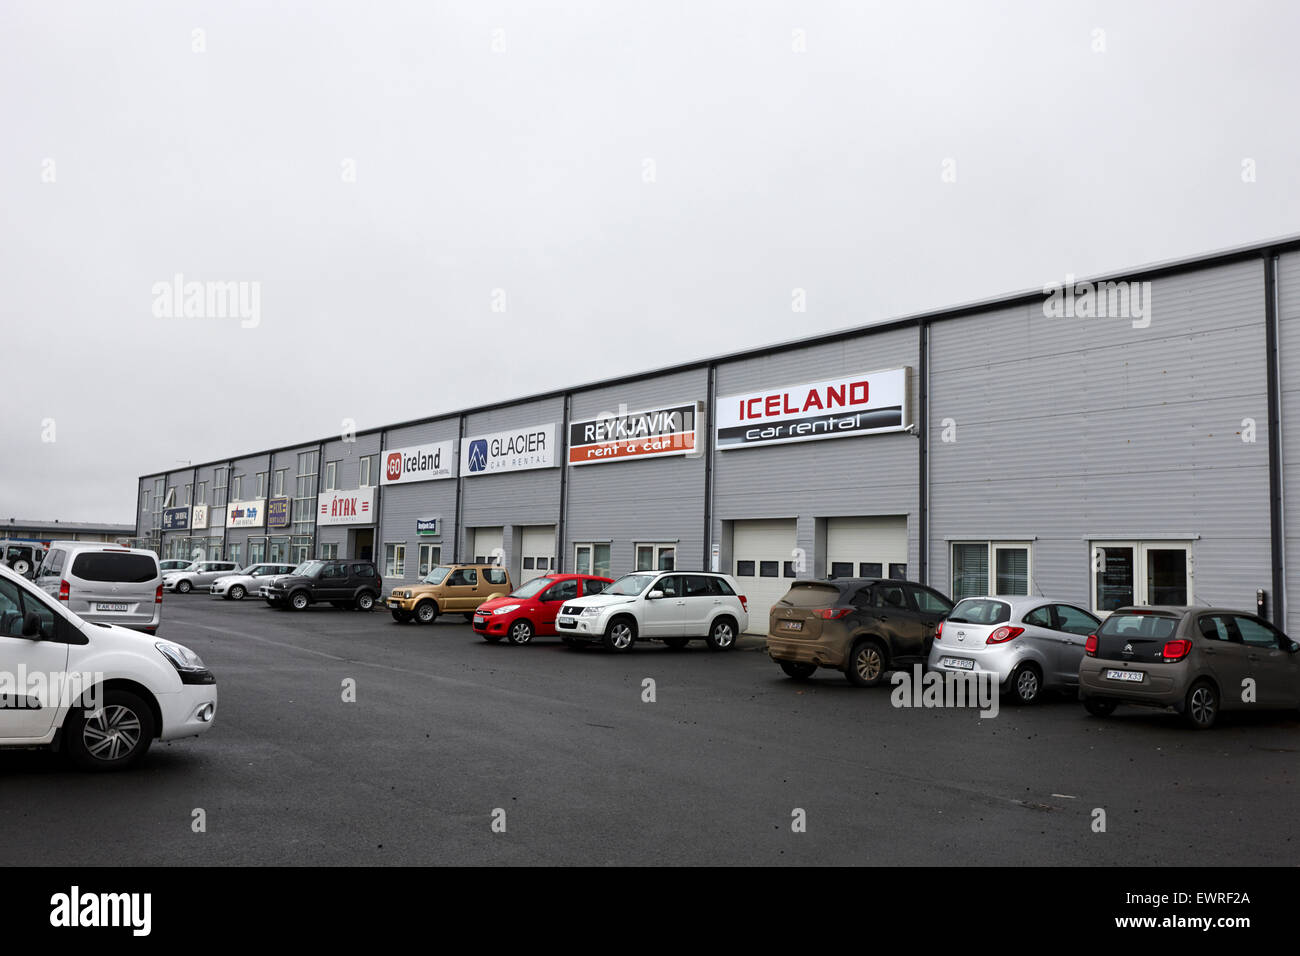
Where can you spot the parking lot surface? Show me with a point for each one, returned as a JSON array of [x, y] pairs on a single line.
[[448, 734]]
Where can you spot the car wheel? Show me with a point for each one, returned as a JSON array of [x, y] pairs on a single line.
[[1026, 685], [798, 670], [1202, 706], [866, 667], [426, 612], [236, 592], [21, 566], [1098, 707], [401, 617], [722, 635], [521, 632], [365, 601], [620, 635], [113, 737], [184, 587], [677, 643], [299, 601]]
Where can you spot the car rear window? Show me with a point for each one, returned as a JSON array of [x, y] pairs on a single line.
[[812, 595], [980, 611], [1157, 626], [117, 567]]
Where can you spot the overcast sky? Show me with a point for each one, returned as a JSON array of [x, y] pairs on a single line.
[[637, 183]]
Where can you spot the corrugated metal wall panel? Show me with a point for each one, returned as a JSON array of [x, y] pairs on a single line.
[[403, 504], [1288, 344]]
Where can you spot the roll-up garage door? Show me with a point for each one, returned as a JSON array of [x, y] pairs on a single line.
[[761, 551], [536, 551], [874, 547], [487, 542]]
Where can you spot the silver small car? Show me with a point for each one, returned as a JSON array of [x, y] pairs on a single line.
[[249, 580], [1031, 644], [200, 574], [104, 583]]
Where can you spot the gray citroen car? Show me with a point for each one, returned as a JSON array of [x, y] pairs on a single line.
[[1197, 660]]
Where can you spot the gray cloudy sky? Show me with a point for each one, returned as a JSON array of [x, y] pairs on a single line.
[[507, 146]]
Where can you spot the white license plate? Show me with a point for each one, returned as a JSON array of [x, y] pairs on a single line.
[[394, 603], [1134, 676], [110, 606], [479, 619], [960, 663], [792, 625]]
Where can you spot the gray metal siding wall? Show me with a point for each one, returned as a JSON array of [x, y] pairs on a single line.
[[287, 458], [403, 504], [626, 502], [248, 468], [870, 475], [348, 455], [1068, 429], [518, 497], [1288, 344]]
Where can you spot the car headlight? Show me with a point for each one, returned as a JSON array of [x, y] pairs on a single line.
[[590, 611], [181, 657], [507, 609]]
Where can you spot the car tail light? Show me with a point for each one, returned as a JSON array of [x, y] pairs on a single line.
[[1176, 650], [1090, 645], [157, 595], [832, 613], [1004, 634], [938, 631], [64, 590], [744, 605]]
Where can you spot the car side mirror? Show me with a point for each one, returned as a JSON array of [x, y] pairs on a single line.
[[32, 626], [1293, 647], [655, 595]]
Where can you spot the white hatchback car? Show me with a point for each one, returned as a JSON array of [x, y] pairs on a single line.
[[101, 692], [670, 606]]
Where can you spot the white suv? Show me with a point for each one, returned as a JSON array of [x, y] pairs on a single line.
[[101, 692], [669, 606]]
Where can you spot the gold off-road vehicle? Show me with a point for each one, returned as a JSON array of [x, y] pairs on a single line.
[[449, 589]]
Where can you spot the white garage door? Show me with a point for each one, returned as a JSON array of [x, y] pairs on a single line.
[[536, 551], [485, 542], [873, 547], [760, 551]]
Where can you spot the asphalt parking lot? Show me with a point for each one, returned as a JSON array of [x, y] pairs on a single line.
[[447, 729]]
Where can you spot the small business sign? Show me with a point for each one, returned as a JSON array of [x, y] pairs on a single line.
[[865, 404], [199, 517], [429, 462], [346, 507], [279, 512], [516, 450], [428, 526], [620, 436], [246, 514], [176, 519]]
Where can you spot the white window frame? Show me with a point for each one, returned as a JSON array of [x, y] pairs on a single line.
[[394, 559], [279, 481], [367, 471], [202, 498], [331, 476], [427, 560], [237, 488], [590, 547], [657, 550], [1141, 547], [169, 500], [330, 550], [189, 494], [261, 485], [991, 563], [219, 487]]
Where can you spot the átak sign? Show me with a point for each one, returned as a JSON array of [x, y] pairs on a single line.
[[346, 507]]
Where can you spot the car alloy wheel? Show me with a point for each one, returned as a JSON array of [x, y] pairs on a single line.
[[722, 637], [299, 601], [365, 602], [866, 664], [1202, 706], [112, 732], [1026, 686], [426, 612], [237, 592], [521, 632], [620, 636], [184, 587]]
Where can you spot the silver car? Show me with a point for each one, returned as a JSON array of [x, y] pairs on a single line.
[[104, 583], [1030, 644], [200, 574], [249, 580]]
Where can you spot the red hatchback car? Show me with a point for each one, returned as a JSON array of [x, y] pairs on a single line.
[[530, 609]]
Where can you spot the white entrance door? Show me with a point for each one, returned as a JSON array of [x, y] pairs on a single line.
[[536, 551], [874, 547], [762, 551]]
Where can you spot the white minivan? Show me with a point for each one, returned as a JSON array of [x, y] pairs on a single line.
[[104, 582], [100, 692]]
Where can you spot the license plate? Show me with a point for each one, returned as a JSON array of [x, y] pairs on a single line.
[[1134, 676], [394, 603], [110, 606], [792, 625], [960, 663], [480, 619]]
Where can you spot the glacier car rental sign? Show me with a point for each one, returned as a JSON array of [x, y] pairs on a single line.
[[670, 430], [515, 450], [418, 463], [346, 507], [865, 404]]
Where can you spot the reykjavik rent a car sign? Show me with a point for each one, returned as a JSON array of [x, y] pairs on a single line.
[[430, 462], [621, 435], [865, 404]]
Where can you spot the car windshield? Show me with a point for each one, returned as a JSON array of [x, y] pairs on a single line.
[[309, 569], [629, 585], [530, 588], [980, 611], [1133, 624], [436, 575]]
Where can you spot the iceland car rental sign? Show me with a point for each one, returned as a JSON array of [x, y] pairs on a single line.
[[865, 404], [515, 450], [429, 462]]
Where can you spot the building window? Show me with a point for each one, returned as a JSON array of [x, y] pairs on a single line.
[[257, 550], [656, 557], [841, 569], [219, 488], [871, 569], [430, 558], [202, 498], [234, 553], [261, 485], [395, 560], [237, 488], [591, 558], [304, 505], [279, 481], [331, 475], [144, 502], [898, 571], [989, 567], [1140, 572], [278, 549], [368, 470], [744, 569], [329, 550], [158, 491], [299, 548]]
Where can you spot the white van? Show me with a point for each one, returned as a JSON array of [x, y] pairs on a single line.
[[99, 692], [104, 582]]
